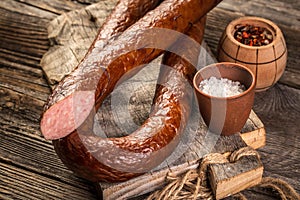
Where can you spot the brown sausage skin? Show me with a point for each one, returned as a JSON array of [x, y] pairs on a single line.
[[99, 72], [125, 13], [101, 69], [171, 105]]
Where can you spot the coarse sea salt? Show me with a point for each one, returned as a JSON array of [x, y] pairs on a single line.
[[221, 87]]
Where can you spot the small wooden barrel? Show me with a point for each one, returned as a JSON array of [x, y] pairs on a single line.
[[266, 62]]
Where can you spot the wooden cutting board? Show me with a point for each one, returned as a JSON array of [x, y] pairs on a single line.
[[128, 106], [226, 178]]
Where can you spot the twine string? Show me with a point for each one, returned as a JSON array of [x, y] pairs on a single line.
[[194, 183], [285, 190]]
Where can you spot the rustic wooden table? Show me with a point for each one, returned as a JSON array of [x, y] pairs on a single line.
[[29, 167]]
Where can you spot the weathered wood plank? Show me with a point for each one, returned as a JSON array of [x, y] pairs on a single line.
[[17, 37], [29, 63], [16, 105], [279, 109], [59, 31], [20, 138], [281, 124], [24, 184], [23, 42], [24, 75], [18, 85], [23, 91], [22, 146], [282, 102], [41, 9], [272, 9], [71, 35], [43, 171], [291, 78], [231, 178], [26, 10], [55, 6], [156, 179], [280, 156], [254, 133]]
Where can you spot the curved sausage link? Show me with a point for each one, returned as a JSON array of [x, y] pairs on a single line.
[[95, 78], [125, 13], [99, 72], [88, 155]]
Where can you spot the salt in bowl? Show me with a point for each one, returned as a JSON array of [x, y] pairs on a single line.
[[225, 115]]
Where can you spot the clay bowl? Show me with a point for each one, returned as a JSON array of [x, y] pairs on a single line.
[[225, 115], [266, 62]]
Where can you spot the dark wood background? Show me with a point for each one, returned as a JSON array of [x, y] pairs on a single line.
[[29, 167]]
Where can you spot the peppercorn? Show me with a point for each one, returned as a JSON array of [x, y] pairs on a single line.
[[252, 35]]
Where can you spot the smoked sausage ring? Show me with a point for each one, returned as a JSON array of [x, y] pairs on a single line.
[[102, 70]]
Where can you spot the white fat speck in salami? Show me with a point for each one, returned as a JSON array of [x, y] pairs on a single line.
[[67, 115]]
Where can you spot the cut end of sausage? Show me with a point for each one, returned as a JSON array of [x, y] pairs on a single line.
[[67, 115]]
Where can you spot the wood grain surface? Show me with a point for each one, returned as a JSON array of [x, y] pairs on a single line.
[[226, 178], [29, 167], [129, 105]]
